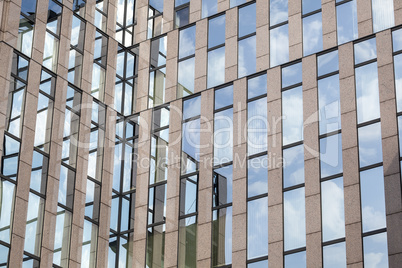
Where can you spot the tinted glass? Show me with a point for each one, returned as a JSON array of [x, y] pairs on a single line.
[[292, 112], [222, 188], [365, 51], [278, 11], [312, 34], [370, 147], [216, 67], [294, 220], [331, 155], [291, 75], [216, 31], [334, 256], [346, 17], [257, 228], [293, 166], [187, 42], [328, 63], [257, 126], [223, 97], [329, 104], [247, 20], [375, 250], [279, 45], [257, 176], [383, 14], [247, 56], [222, 237]]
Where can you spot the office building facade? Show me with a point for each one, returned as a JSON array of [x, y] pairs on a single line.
[[202, 133]]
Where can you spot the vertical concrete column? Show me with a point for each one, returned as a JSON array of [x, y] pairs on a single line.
[[168, 15], [295, 30], [398, 12], [10, 13], [239, 221], [364, 17], [106, 191], [275, 196], [39, 34], [171, 66], [262, 32], [389, 135], [141, 14], [141, 199], [204, 228], [111, 18], [80, 181], [353, 231], [311, 162], [24, 166], [64, 44], [329, 37], [90, 11], [88, 58], [201, 55], [56, 143], [231, 45], [6, 57], [143, 76], [195, 10], [173, 185], [110, 72], [223, 5]]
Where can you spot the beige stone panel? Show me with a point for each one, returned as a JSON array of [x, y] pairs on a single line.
[[19, 218], [262, 16], [140, 223], [172, 45], [275, 196], [201, 39], [347, 94], [240, 197], [24, 172], [139, 253], [274, 84], [230, 73], [38, 42], [204, 205], [230, 52], [51, 198], [389, 126], [365, 27], [104, 221], [394, 260], [171, 245], [239, 232], [309, 74], [354, 242], [205, 181], [239, 95], [384, 48], [231, 24], [349, 131], [240, 130], [168, 15], [26, 146], [275, 150], [295, 29], [31, 102], [275, 253], [63, 57], [390, 155], [112, 53], [102, 254], [352, 204], [111, 18], [386, 82], [223, 5], [49, 227], [346, 64], [6, 56], [262, 46], [16, 252], [262, 62], [207, 113], [143, 76], [275, 223], [239, 258], [398, 13], [363, 11], [350, 166], [312, 176], [46, 258], [239, 162], [294, 7], [310, 125], [296, 52], [200, 70], [87, 66], [313, 249], [206, 263], [329, 24], [313, 214], [76, 243], [172, 212], [200, 84], [195, 10], [175, 150], [79, 208], [171, 80], [173, 188], [142, 24], [142, 190], [108, 156], [90, 11], [392, 186], [204, 241]]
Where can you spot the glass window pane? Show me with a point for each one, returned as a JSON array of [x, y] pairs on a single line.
[[209, 8], [365, 51], [257, 176], [7, 191], [292, 75], [368, 100], [155, 246], [292, 112], [293, 166], [187, 42], [375, 250], [222, 185], [158, 52], [373, 199], [191, 107], [370, 147], [279, 45], [383, 14], [296, 260], [329, 104], [28, 7], [39, 172], [223, 97], [247, 20], [223, 136], [216, 67], [257, 86], [257, 126], [182, 17], [62, 238], [312, 34], [157, 87], [186, 72], [247, 56], [216, 31], [310, 5], [328, 63], [257, 228], [331, 155], [222, 237], [66, 187], [188, 195], [278, 11], [294, 220], [346, 17], [188, 242], [234, 3], [260, 264], [333, 212], [190, 146], [33, 231], [334, 256], [398, 81], [397, 40]]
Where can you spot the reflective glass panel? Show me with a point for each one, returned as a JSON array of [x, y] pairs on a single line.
[[257, 228], [312, 34], [293, 166], [188, 242], [190, 146], [216, 67], [182, 17], [188, 195], [216, 31], [155, 246], [334, 256], [223, 97], [247, 56], [223, 136], [383, 14], [33, 231], [296, 260], [7, 209], [370, 147], [329, 104], [257, 86], [247, 20], [222, 237], [365, 50], [292, 112], [278, 11], [346, 17], [257, 176], [310, 5], [187, 42], [279, 45], [375, 250], [398, 80], [222, 185], [397, 40], [328, 63], [209, 8], [291, 75], [257, 126], [294, 220], [260, 264], [186, 72], [331, 155], [191, 107]]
